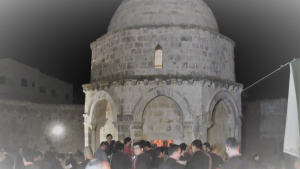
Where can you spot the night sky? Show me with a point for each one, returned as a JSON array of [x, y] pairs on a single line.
[[54, 36]]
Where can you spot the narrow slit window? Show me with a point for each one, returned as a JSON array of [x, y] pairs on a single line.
[[158, 57]]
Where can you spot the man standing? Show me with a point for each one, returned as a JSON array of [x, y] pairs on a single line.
[[88, 154], [159, 152], [217, 161], [28, 156], [236, 160], [119, 160], [100, 152], [150, 153], [199, 160], [174, 155], [19, 161], [127, 147], [110, 147], [40, 162], [141, 161]]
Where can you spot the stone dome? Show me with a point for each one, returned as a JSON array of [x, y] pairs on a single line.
[[143, 13]]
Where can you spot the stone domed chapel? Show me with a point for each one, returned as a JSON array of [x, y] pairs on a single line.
[[163, 71]]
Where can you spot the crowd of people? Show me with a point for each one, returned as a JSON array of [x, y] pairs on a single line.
[[141, 155]]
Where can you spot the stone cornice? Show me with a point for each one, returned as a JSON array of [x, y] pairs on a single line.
[[211, 31], [203, 81]]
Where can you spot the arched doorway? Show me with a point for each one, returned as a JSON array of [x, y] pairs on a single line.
[[220, 130], [162, 119], [102, 120]]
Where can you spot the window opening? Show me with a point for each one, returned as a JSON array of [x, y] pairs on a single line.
[[158, 57]]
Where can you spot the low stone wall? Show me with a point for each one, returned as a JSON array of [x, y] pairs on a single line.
[[263, 129], [29, 124]]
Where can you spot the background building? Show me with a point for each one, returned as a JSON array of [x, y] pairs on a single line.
[[163, 71], [22, 82]]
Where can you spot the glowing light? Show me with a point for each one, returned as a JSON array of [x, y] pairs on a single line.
[[57, 130]]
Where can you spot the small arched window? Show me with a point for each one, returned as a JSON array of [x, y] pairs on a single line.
[[158, 57]]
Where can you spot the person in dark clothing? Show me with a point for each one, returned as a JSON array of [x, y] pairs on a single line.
[[28, 156], [150, 153], [119, 160], [174, 155], [100, 152], [183, 156], [110, 146], [88, 154], [217, 161], [71, 160], [159, 154], [58, 160], [236, 160], [199, 160], [141, 161], [40, 162], [206, 147], [19, 161], [165, 146], [50, 158]]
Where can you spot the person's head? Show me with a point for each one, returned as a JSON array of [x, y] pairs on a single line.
[[165, 143], [160, 152], [137, 148], [147, 145], [214, 149], [109, 137], [120, 147], [21, 151], [127, 141], [61, 157], [196, 145], [142, 143], [183, 147], [231, 146], [88, 153], [28, 156], [174, 151], [206, 147], [70, 155], [97, 164], [38, 155], [52, 149], [103, 145]]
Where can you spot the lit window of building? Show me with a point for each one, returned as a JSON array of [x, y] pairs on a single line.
[[158, 57]]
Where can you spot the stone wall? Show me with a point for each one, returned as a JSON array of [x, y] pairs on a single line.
[[195, 99], [29, 124], [162, 119], [263, 129], [186, 51]]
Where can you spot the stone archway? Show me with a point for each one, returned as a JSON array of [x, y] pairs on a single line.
[[223, 113], [100, 119], [160, 91], [103, 122], [219, 130], [162, 119]]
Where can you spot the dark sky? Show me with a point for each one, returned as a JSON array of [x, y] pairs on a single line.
[[54, 36]]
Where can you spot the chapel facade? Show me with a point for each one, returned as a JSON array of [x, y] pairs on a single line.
[[163, 71]]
